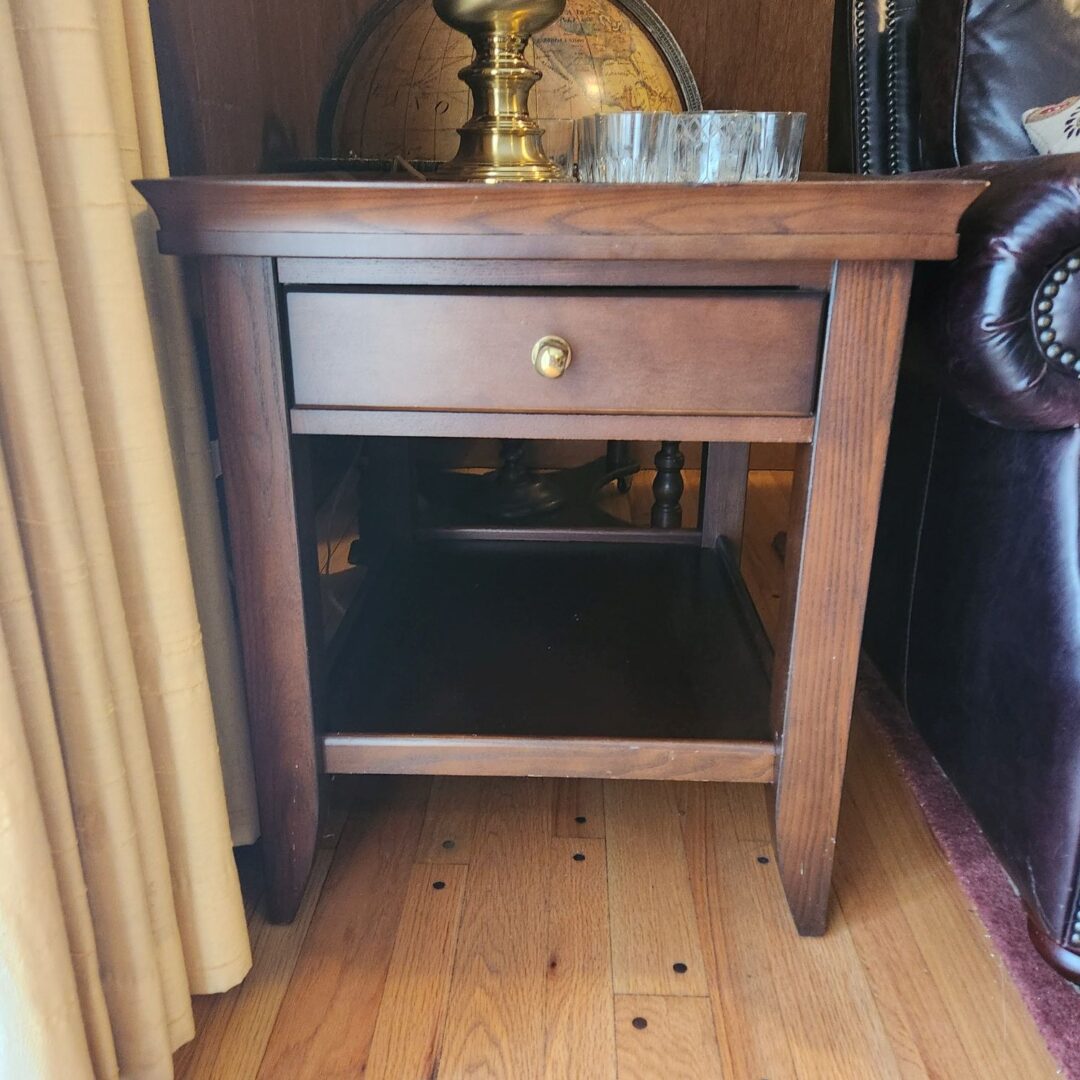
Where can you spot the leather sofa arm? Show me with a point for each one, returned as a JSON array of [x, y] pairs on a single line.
[[1000, 326]]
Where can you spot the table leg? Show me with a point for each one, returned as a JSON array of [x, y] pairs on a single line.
[[249, 393], [827, 566], [618, 457], [668, 487], [723, 496]]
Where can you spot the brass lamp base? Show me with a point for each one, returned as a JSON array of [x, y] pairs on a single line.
[[494, 168], [501, 142]]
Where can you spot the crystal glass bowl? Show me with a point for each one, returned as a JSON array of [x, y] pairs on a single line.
[[626, 148], [559, 142], [711, 147], [776, 144], [720, 147]]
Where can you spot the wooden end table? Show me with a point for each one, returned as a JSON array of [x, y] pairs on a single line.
[[761, 312]]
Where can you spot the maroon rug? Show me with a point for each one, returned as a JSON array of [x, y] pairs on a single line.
[[1054, 1003]]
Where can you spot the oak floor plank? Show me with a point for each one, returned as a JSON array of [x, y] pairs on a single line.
[[495, 1026], [578, 1019], [412, 1012], [653, 923], [909, 999], [327, 1018], [676, 1041], [746, 807], [952, 942], [450, 822], [576, 799], [340, 794], [203, 1007], [925, 945], [904, 984], [829, 1019], [235, 1034], [693, 815], [738, 988], [233, 1028]]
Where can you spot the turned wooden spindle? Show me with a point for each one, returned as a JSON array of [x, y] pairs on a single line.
[[512, 470], [618, 457], [668, 487]]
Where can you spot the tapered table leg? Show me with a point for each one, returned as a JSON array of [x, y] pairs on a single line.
[[249, 392], [827, 566]]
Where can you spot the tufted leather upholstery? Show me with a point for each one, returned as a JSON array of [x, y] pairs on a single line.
[[982, 64], [874, 118], [1005, 324], [935, 84], [974, 606]]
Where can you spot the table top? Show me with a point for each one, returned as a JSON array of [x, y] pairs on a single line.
[[828, 217]]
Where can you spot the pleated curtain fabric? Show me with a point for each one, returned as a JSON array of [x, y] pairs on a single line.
[[118, 891]]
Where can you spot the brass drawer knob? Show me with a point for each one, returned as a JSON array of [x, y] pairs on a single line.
[[551, 357]]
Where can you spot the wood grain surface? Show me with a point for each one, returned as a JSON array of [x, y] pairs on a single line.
[[495, 1025], [666, 351], [728, 760], [450, 823], [829, 547], [813, 1013], [569, 670], [670, 1037], [672, 274], [579, 808], [653, 926], [905, 980], [765, 54], [723, 496], [690, 669], [448, 425], [350, 942], [569, 534], [954, 979], [249, 392], [578, 1020], [412, 1011], [838, 218]]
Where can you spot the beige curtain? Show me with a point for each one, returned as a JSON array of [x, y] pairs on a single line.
[[118, 890]]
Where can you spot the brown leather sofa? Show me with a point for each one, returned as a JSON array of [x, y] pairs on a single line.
[[974, 611]]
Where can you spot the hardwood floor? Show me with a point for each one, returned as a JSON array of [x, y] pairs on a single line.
[[581, 929]]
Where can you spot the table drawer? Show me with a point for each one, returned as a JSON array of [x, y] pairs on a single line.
[[656, 351]]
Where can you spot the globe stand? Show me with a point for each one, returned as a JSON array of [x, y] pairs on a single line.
[[516, 494]]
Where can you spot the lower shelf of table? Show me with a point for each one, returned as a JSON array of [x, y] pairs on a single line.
[[541, 659]]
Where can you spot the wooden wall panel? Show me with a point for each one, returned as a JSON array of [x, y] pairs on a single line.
[[242, 79], [760, 54]]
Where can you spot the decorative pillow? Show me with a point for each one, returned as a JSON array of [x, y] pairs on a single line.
[[1055, 129]]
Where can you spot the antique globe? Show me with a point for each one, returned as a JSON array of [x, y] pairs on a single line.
[[398, 91]]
